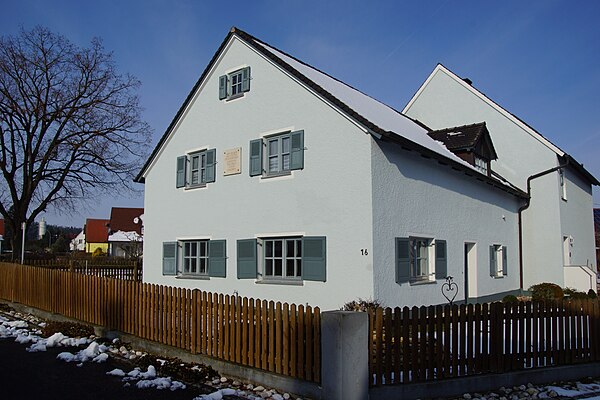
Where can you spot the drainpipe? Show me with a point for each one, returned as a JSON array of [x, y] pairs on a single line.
[[525, 207]]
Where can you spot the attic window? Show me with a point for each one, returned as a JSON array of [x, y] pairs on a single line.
[[481, 164], [234, 84]]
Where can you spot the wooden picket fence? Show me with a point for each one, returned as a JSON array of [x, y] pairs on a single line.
[[99, 266], [280, 338], [421, 344]]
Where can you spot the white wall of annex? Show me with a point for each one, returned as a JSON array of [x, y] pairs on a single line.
[[330, 197], [577, 219], [445, 103], [416, 196]]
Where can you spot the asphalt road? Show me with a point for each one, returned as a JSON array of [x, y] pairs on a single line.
[[33, 376]]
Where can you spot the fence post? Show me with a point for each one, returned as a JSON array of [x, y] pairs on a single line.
[[345, 353]]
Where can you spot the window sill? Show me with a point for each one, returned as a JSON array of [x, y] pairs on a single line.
[[422, 282], [198, 186], [288, 282], [276, 175], [237, 96], [498, 276], [199, 277]]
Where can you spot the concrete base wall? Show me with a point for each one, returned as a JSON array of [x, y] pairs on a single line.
[[482, 383], [247, 374]]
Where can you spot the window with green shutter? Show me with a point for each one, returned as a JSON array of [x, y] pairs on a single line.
[[234, 84], [169, 264], [498, 261], [420, 260], [196, 169], [283, 259], [283, 153]]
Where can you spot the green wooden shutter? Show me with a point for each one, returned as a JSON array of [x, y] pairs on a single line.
[[222, 87], [256, 157], [504, 261], [297, 150], [246, 79], [441, 259], [314, 258], [181, 164], [493, 268], [246, 259], [211, 160], [169, 264], [402, 260], [217, 258]]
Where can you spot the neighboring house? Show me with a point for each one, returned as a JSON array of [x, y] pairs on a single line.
[[275, 180], [557, 230], [125, 233], [78, 242], [96, 235]]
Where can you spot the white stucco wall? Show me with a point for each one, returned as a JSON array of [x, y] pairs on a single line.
[[330, 197], [577, 222], [444, 102], [435, 201]]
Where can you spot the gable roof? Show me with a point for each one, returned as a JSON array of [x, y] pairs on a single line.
[[372, 116], [464, 137], [123, 219], [468, 84], [96, 230]]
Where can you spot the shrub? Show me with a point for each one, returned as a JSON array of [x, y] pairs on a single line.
[[546, 291], [510, 298], [98, 252], [574, 294], [591, 294], [361, 305]]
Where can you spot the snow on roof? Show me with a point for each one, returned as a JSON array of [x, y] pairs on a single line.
[[120, 236], [376, 112]]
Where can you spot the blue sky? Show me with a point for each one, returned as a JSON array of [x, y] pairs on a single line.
[[538, 59]]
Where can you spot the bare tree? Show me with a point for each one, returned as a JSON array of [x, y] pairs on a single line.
[[70, 126]]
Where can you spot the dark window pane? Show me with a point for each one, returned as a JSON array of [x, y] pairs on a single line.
[[269, 267], [278, 268], [299, 268], [289, 268], [290, 248], [269, 248], [278, 248]]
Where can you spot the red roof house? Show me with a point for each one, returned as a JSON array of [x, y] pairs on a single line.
[[96, 230], [124, 219]]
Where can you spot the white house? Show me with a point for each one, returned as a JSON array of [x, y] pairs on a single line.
[[78, 243], [275, 180], [557, 226]]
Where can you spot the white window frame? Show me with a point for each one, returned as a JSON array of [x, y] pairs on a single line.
[[197, 260], [201, 168], [234, 87], [279, 155], [425, 260], [269, 258], [498, 261], [481, 164]]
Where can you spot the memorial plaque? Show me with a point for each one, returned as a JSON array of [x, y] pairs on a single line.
[[233, 161]]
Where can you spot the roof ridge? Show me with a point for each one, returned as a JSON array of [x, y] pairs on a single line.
[[261, 42]]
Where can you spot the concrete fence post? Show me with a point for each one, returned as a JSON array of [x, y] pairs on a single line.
[[345, 355]]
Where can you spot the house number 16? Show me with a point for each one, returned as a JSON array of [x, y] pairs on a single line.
[[364, 252]]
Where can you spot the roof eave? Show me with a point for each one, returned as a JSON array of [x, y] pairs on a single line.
[[427, 153]]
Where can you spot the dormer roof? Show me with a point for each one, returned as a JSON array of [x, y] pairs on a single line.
[[472, 138]]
